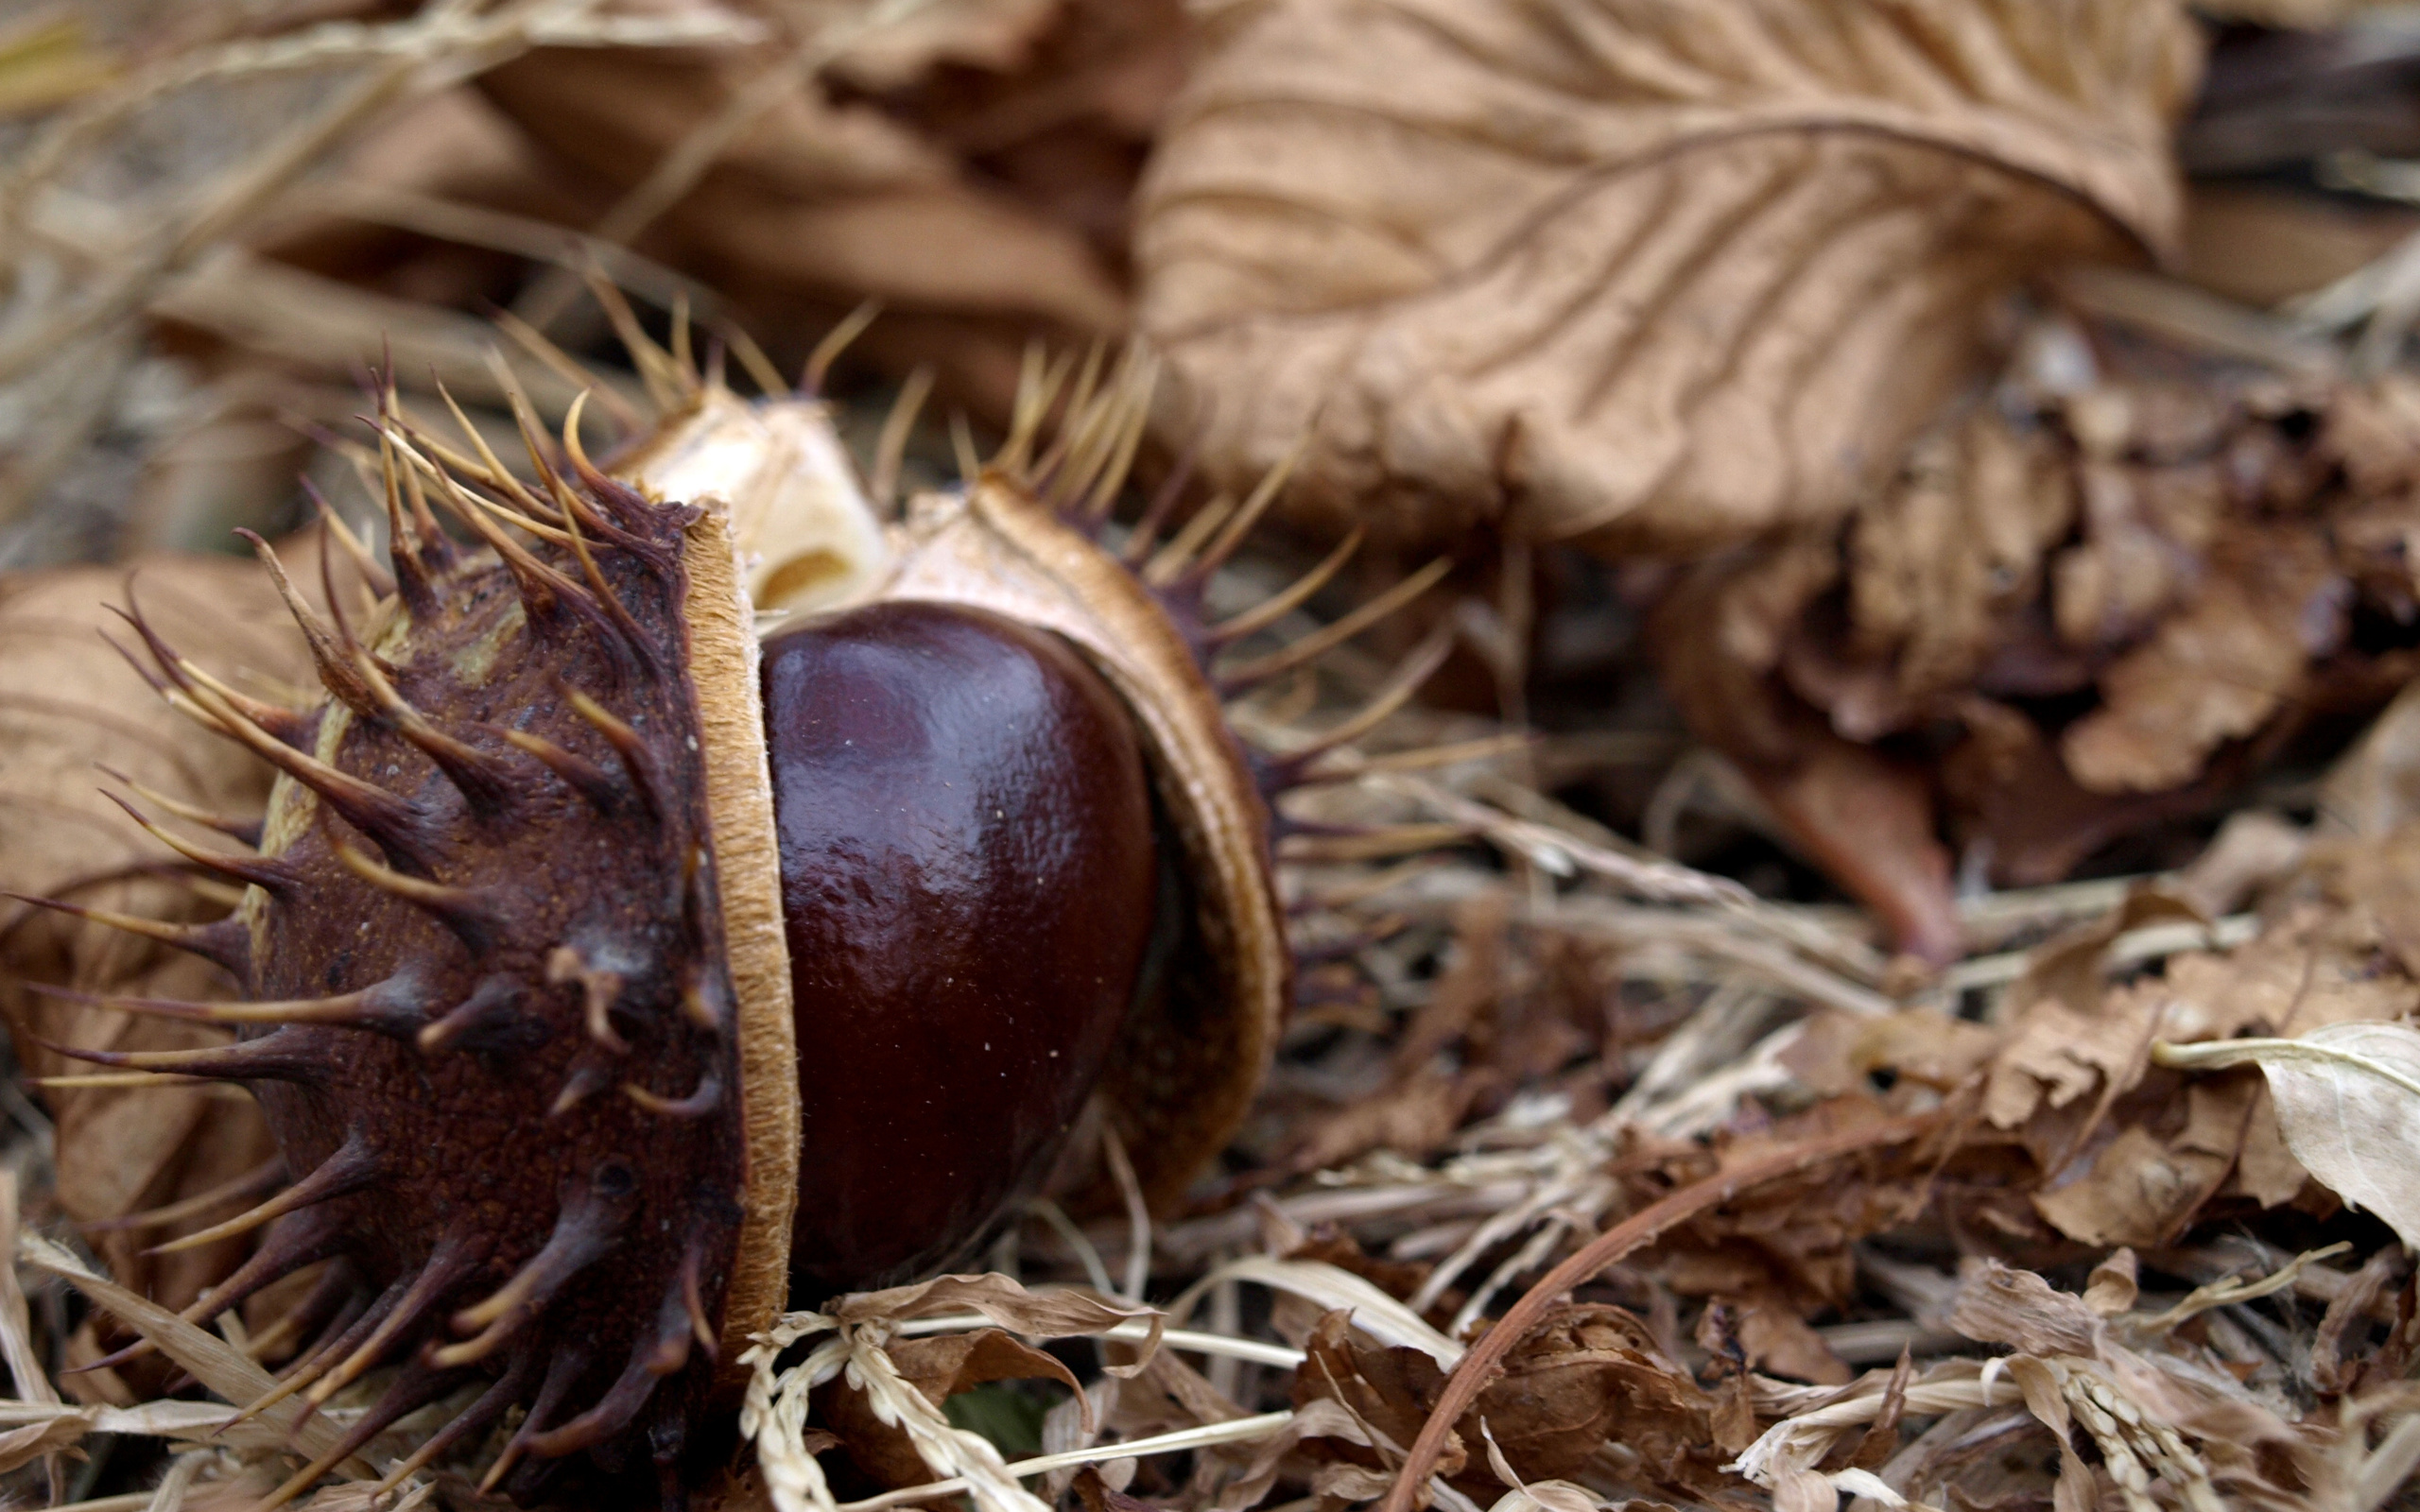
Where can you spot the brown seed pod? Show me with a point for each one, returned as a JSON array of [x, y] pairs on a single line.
[[610, 974]]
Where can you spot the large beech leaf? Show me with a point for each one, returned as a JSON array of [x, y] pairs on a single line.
[[1651, 274], [2348, 1103]]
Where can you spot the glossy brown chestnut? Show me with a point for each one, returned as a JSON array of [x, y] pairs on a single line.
[[968, 888]]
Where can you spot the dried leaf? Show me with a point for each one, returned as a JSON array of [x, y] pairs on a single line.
[[70, 705], [2140, 1191], [1371, 1311], [1999, 1304], [1719, 636], [1060, 1312], [1414, 1115], [1099, 1496], [2348, 1102], [1390, 1389], [2215, 671], [1666, 276], [2374, 788], [969, 167], [2104, 596], [1323, 1419], [940, 1368], [1868, 821], [1590, 1374], [1781, 1343], [2376, 879], [2334, 1367]]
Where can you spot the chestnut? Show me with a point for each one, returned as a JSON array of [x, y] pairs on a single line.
[[969, 887]]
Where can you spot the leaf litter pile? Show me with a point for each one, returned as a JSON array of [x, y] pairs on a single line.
[[1884, 965]]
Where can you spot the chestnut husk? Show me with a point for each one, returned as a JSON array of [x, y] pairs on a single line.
[[513, 940]]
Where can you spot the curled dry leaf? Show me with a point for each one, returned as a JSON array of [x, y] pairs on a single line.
[[2348, 1102], [1647, 275], [1062, 1312], [969, 167], [71, 706]]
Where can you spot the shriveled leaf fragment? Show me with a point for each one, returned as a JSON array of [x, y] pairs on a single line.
[[2376, 879], [2071, 1038], [1720, 636], [942, 1367], [2215, 671], [2348, 1102], [1644, 274]]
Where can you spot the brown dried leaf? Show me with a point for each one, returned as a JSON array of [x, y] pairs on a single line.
[[2215, 671], [2376, 881], [1868, 821], [2069, 1037], [1060, 1312], [1414, 1115], [943, 1366], [1656, 276], [1938, 564], [1326, 1420], [2334, 1368], [2254, 850], [2105, 596], [2349, 1101], [1386, 1386], [1778, 1341], [1099, 1496], [1923, 1044], [969, 167], [1589, 1374], [69, 703], [2144, 1189], [1999, 1304], [1719, 636], [2374, 788], [940, 1368]]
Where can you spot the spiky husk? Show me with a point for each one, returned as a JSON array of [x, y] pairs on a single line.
[[521, 1004], [506, 950]]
